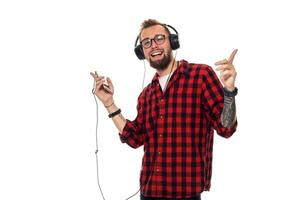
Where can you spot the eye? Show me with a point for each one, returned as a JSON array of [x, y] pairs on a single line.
[[146, 42], [159, 38]]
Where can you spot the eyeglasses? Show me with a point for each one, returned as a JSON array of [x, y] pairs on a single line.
[[158, 39]]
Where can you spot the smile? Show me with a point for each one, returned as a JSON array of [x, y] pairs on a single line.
[[156, 53]]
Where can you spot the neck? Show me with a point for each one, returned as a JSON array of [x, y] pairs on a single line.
[[168, 69]]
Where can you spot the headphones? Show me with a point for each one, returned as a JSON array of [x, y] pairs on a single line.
[[173, 38]]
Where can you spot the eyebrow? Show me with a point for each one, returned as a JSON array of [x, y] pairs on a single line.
[[154, 36]]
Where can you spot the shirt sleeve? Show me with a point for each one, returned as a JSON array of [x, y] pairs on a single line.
[[213, 99], [134, 131]]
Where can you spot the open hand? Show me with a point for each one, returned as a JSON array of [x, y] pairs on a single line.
[[228, 73]]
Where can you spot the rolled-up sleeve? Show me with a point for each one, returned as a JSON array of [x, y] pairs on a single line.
[[213, 94], [134, 131]]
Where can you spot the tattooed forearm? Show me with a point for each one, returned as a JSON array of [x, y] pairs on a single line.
[[228, 115]]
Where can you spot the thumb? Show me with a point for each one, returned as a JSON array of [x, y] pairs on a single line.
[[109, 81], [110, 84]]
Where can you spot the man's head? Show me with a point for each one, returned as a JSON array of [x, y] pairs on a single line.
[[154, 38]]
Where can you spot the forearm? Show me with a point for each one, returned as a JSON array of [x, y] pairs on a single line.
[[228, 116], [118, 120]]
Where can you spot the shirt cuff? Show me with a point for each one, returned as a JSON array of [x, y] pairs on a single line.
[[126, 131]]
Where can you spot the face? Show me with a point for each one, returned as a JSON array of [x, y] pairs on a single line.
[[157, 51]]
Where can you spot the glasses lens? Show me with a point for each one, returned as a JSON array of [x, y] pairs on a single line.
[[159, 39], [146, 43]]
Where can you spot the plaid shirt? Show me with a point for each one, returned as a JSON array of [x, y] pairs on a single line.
[[176, 128]]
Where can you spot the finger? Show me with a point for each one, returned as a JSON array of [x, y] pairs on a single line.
[[111, 86], [99, 78], [97, 73], [99, 84], [102, 84], [103, 87], [222, 62], [107, 88], [225, 76], [225, 67], [109, 82], [226, 73], [100, 81], [232, 55], [93, 75]]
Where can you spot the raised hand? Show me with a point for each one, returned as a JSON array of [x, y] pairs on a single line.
[[228, 73], [103, 91]]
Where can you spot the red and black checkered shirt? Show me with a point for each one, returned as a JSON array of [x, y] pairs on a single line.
[[176, 128]]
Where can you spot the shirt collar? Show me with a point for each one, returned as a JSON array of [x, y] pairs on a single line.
[[181, 69]]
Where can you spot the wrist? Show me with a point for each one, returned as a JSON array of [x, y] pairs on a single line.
[[111, 115], [109, 104], [111, 108], [230, 93], [230, 89]]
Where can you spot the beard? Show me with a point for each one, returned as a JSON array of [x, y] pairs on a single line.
[[162, 63]]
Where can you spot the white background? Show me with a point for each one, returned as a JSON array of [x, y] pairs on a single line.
[[47, 111]]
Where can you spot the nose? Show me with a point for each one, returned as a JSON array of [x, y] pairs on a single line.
[[153, 44]]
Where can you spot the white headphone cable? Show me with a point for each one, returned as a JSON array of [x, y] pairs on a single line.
[[97, 146], [97, 149]]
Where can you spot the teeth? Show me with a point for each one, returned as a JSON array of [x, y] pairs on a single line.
[[156, 53]]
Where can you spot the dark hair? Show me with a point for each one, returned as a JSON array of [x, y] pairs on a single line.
[[151, 22]]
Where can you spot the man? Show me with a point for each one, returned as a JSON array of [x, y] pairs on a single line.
[[176, 117]]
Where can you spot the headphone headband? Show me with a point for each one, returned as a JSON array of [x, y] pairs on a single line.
[[165, 25], [174, 42]]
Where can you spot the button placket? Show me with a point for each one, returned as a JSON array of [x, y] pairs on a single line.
[[161, 118]]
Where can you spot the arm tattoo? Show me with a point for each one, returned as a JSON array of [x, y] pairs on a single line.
[[228, 116]]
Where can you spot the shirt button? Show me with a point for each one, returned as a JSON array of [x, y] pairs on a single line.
[[160, 135], [161, 116], [157, 170], [159, 153]]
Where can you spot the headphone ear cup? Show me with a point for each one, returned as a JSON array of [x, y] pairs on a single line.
[[139, 52], [174, 41]]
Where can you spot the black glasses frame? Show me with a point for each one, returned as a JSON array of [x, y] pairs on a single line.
[[155, 39]]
